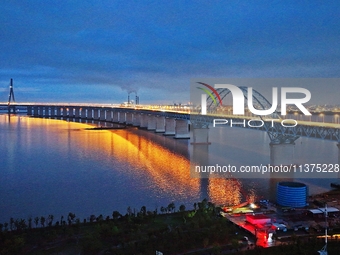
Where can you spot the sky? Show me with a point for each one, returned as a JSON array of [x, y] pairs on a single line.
[[99, 50]]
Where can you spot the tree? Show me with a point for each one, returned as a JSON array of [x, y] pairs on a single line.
[[116, 215], [30, 222], [11, 223], [182, 208], [36, 221], [92, 218], [100, 218], [22, 224], [70, 218], [171, 206], [42, 221], [16, 224], [6, 226], [50, 220], [143, 210], [129, 211]]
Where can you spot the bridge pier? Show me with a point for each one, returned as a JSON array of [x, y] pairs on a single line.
[[182, 129], [11, 109], [200, 135], [29, 110], [143, 121], [122, 118], [102, 114], [151, 122], [65, 113], [160, 124], [95, 114], [109, 116], [52, 111], [58, 111], [71, 111], [77, 112], [136, 120], [89, 114], [35, 111], [115, 117], [129, 118], [44, 111], [83, 113], [170, 125], [282, 154]]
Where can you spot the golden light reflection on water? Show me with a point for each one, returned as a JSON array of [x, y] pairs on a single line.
[[140, 153], [167, 170]]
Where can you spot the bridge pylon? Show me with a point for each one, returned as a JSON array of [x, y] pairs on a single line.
[[11, 98]]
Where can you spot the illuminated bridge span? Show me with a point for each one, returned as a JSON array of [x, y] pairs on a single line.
[[167, 119], [175, 122]]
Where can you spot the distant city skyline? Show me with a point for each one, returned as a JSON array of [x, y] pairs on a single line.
[[99, 51]]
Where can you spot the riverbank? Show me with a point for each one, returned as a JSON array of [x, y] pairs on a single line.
[[198, 231], [142, 232]]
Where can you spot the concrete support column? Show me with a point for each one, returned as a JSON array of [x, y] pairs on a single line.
[[151, 122], [102, 114], [115, 117], [109, 115], [29, 110], [200, 136], [89, 113], [143, 121], [71, 112], [58, 111], [42, 111], [35, 111], [282, 154], [136, 119], [129, 118], [83, 113], [182, 129], [52, 109], [77, 112], [95, 114], [65, 113], [170, 125], [122, 117], [160, 124]]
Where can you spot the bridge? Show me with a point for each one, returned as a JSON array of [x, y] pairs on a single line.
[[178, 120]]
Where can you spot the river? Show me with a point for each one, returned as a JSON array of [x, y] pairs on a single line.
[[50, 166]]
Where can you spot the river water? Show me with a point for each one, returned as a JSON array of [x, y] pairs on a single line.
[[50, 166]]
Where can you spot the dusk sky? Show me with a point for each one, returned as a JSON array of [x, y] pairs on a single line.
[[96, 51]]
